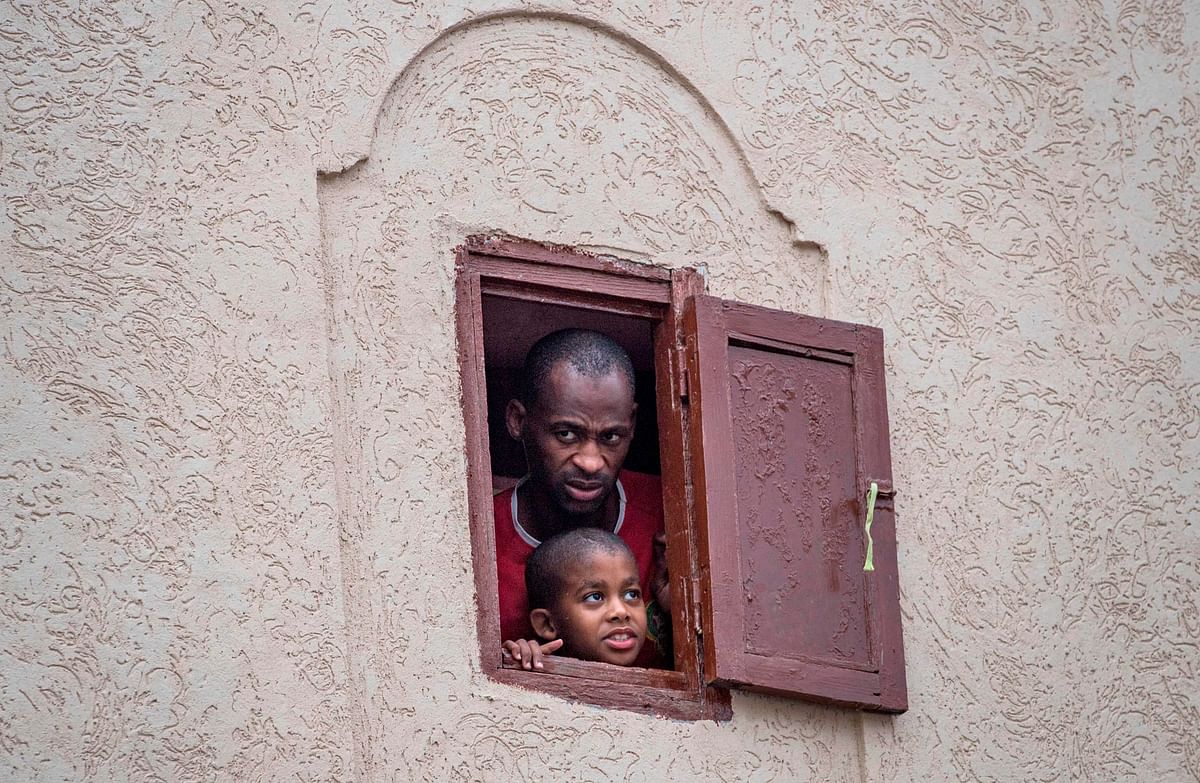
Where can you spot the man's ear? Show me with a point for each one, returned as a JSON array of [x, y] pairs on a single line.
[[514, 419], [543, 624]]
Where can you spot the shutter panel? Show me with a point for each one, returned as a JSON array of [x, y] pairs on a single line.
[[789, 430]]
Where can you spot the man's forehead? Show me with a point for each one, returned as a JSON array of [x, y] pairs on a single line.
[[566, 382], [564, 369]]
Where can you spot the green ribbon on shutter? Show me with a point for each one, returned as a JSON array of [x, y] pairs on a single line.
[[872, 493]]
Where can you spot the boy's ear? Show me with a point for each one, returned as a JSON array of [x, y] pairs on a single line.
[[543, 624], [514, 419]]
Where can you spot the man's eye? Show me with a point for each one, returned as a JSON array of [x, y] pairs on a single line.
[[633, 594], [611, 438], [566, 436]]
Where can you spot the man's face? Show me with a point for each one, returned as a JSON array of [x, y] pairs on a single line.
[[576, 436], [600, 613]]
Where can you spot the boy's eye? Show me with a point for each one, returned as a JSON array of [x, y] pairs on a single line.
[[593, 597], [633, 594]]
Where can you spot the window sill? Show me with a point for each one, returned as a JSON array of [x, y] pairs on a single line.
[[658, 692]]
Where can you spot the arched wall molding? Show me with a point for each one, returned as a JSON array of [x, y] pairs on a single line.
[[328, 169], [462, 142]]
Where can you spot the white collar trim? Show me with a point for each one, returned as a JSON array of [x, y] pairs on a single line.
[[533, 542]]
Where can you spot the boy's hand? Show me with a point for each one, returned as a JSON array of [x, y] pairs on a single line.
[[528, 652], [660, 590]]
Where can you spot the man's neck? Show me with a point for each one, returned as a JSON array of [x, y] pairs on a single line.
[[542, 518]]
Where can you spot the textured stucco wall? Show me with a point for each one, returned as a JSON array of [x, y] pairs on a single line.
[[231, 453]]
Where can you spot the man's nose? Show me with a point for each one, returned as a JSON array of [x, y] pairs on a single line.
[[588, 457]]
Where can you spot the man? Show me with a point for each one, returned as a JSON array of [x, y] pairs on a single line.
[[575, 417]]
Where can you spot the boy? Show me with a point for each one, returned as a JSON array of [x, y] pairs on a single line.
[[584, 597]]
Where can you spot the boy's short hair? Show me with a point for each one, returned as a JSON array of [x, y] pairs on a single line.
[[544, 568]]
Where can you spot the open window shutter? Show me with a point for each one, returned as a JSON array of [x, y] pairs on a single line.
[[789, 430]]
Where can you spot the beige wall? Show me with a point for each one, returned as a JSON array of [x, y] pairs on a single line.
[[232, 539]]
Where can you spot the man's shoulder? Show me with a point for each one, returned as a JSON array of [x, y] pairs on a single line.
[[643, 492], [503, 497], [502, 509], [644, 482]]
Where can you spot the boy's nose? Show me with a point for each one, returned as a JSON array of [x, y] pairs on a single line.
[[617, 610]]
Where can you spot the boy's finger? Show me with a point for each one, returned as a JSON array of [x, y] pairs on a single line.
[[544, 649], [535, 655]]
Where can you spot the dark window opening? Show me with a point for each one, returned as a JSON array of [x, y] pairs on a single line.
[[511, 326]]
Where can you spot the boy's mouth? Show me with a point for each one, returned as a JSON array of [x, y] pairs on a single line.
[[621, 639]]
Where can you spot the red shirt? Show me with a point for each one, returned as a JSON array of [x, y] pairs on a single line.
[[639, 520]]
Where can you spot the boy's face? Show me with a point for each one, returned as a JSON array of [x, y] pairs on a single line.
[[600, 614]]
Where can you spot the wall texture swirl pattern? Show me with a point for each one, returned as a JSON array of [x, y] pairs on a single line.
[[232, 536]]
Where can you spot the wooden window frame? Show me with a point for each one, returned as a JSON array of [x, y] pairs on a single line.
[[691, 338], [531, 271]]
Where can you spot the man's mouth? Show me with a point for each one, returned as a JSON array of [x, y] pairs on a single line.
[[621, 639], [584, 491]]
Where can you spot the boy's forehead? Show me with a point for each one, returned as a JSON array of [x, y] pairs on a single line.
[[599, 564]]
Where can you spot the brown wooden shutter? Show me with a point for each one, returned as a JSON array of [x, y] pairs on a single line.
[[789, 429]]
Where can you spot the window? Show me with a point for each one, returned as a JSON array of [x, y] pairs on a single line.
[[771, 428]]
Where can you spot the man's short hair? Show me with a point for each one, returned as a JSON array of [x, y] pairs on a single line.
[[591, 353], [546, 567]]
